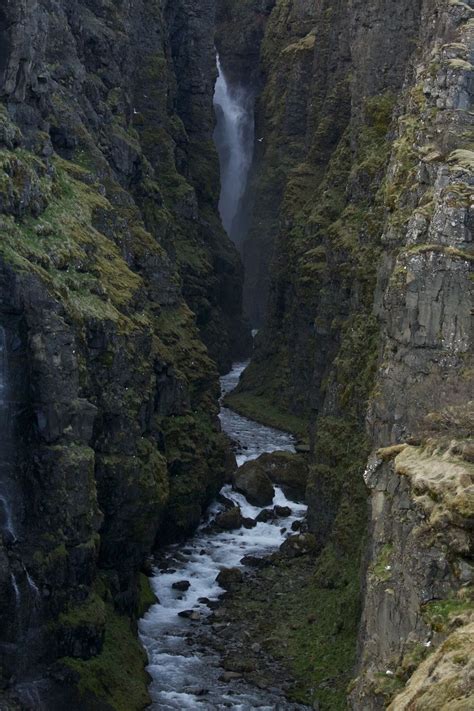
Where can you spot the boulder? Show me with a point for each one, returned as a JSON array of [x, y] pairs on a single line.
[[265, 516], [181, 585], [282, 511], [287, 470], [229, 578], [190, 615], [249, 522], [253, 561], [230, 520], [251, 481], [295, 546]]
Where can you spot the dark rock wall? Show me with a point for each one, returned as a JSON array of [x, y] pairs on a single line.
[[115, 272], [420, 552], [359, 261]]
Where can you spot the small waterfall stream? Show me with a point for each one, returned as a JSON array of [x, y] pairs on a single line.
[[26, 593], [7, 522], [181, 668], [234, 138]]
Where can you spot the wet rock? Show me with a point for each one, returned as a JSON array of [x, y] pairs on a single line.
[[190, 615], [265, 516], [229, 520], [229, 578], [254, 484], [181, 585], [282, 511], [254, 562], [300, 544], [225, 502], [289, 471], [249, 523], [229, 676], [296, 526]]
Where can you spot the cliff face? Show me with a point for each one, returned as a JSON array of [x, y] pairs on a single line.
[[120, 300], [360, 237], [114, 273], [419, 580]]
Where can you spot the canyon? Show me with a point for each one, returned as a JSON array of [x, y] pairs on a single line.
[[176, 177]]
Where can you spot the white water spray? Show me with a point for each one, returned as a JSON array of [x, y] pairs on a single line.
[[234, 139], [16, 589]]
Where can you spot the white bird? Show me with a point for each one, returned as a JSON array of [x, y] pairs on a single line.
[[259, 140]]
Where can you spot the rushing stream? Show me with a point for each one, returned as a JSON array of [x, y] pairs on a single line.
[[186, 675]]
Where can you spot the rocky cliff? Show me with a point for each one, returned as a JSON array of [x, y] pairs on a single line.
[[120, 300], [120, 297], [360, 257]]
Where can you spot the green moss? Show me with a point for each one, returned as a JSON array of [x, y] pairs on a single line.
[[146, 596], [117, 676], [260, 409], [387, 686], [79, 264], [412, 659], [50, 561], [381, 569], [197, 462], [439, 613], [90, 612]]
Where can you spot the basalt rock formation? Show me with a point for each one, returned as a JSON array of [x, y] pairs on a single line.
[[120, 298], [360, 258]]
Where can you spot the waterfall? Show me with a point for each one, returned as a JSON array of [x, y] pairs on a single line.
[[35, 593], [234, 138], [6, 520], [16, 589]]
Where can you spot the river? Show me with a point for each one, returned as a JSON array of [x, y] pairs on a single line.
[[186, 675]]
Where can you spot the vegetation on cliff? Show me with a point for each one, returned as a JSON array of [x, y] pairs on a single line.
[[361, 155], [120, 300]]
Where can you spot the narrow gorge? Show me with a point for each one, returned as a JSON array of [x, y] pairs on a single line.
[[236, 375]]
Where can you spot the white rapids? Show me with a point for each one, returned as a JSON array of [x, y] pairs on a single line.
[[182, 670]]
